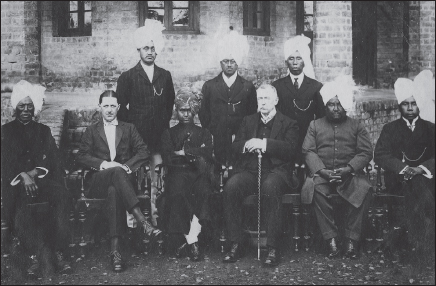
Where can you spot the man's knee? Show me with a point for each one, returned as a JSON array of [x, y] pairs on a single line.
[[273, 187]]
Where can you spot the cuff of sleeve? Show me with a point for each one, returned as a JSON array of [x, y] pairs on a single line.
[[263, 145], [427, 172], [16, 180], [43, 175], [243, 148], [127, 169], [404, 169], [101, 168]]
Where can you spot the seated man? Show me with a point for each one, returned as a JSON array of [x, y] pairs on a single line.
[[336, 150], [276, 136], [406, 150], [32, 172], [114, 149], [187, 152]]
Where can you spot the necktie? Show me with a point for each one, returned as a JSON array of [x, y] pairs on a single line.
[[296, 83], [411, 127]]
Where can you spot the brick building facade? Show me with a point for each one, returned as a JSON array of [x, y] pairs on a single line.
[[32, 49]]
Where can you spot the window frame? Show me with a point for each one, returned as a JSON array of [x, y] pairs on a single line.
[[62, 12], [192, 28], [300, 24], [248, 18]]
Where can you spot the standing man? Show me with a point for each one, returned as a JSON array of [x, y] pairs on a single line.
[[336, 150], [406, 150], [146, 91], [114, 150], [228, 97], [31, 170], [276, 136], [299, 96]]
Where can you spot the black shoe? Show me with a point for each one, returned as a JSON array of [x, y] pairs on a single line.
[[33, 270], [233, 254], [333, 248], [150, 231], [62, 266], [272, 258], [351, 251], [180, 251], [195, 252], [116, 261]]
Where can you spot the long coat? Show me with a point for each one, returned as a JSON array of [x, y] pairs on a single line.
[[307, 96], [280, 146], [335, 145], [222, 110], [150, 103]]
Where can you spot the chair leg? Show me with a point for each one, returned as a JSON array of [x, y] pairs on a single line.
[[82, 218], [306, 225], [296, 223], [72, 245]]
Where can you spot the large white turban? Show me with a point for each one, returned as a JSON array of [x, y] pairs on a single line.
[[300, 44], [422, 89], [25, 89], [233, 46], [344, 88], [151, 31]]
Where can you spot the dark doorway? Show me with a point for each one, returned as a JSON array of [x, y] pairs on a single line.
[[364, 42]]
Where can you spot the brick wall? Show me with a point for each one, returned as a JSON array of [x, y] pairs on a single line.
[[414, 65], [427, 35]]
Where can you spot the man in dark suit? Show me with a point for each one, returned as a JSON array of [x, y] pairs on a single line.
[[276, 136], [114, 150], [406, 150], [146, 92], [299, 96], [32, 172], [336, 150], [227, 98]]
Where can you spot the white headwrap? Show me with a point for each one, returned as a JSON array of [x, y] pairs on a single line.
[[422, 90], [151, 31], [300, 44], [344, 88], [233, 46], [25, 89]]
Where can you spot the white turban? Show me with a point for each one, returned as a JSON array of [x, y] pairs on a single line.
[[343, 87], [422, 90], [300, 44], [25, 89], [151, 31], [233, 46]]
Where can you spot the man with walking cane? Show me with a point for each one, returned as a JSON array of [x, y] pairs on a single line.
[[276, 137]]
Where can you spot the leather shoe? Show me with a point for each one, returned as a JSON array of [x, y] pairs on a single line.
[[117, 262], [180, 251], [195, 252], [62, 266], [150, 231], [233, 254], [333, 248], [272, 258], [351, 251], [32, 271]]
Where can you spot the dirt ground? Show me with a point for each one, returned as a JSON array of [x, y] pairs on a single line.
[[306, 268]]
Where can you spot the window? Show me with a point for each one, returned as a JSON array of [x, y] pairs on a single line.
[[305, 21], [256, 18], [180, 16], [74, 18]]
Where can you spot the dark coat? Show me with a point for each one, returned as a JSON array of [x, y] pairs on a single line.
[[150, 103], [280, 146], [397, 138], [336, 145], [307, 96], [130, 148], [222, 110]]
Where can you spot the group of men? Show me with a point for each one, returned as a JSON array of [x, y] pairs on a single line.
[[294, 120]]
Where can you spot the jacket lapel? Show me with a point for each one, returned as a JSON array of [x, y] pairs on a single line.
[[304, 85], [100, 128], [277, 125], [141, 71], [254, 126], [118, 133], [289, 85], [236, 89], [157, 73], [221, 87]]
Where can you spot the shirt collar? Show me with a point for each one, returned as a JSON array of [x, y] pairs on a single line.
[[413, 121], [266, 118], [230, 80], [22, 123], [113, 122], [299, 77]]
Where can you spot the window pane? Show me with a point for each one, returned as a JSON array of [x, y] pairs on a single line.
[[73, 5], [308, 23], [156, 14], [180, 17], [87, 19], [308, 7], [73, 21], [180, 4], [87, 5], [155, 4]]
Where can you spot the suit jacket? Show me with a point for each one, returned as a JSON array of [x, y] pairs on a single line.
[[280, 146], [130, 149], [397, 138], [335, 145], [22, 153], [222, 110], [307, 96], [150, 103]]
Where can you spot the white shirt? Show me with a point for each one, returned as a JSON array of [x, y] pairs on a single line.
[[413, 122], [299, 78], [149, 70], [110, 130], [230, 80]]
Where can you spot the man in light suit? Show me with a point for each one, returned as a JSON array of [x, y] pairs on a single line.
[[114, 150], [276, 136]]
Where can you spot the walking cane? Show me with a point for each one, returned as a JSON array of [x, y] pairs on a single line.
[[259, 157]]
